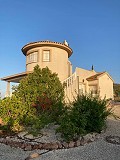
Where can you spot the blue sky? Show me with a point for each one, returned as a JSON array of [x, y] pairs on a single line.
[[91, 27]]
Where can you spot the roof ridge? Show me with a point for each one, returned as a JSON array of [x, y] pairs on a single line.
[[94, 77]]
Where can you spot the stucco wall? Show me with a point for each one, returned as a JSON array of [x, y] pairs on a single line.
[[83, 74], [58, 61], [106, 86]]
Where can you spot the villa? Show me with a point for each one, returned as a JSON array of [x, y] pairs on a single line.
[[55, 56]]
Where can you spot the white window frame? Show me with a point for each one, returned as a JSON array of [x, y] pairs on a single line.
[[32, 57], [46, 55]]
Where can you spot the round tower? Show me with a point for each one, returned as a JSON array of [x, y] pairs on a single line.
[[54, 55]]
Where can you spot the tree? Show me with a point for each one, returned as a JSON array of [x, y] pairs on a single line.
[[40, 89]]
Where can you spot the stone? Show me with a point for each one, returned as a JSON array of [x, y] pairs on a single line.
[[71, 144], [22, 146], [93, 135], [88, 137], [92, 140], [97, 136], [36, 146], [54, 146], [46, 146], [16, 144], [77, 143], [40, 146], [22, 134], [80, 138], [1, 140], [8, 138], [34, 155], [4, 141], [82, 142], [65, 144], [29, 136], [28, 147], [59, 145]]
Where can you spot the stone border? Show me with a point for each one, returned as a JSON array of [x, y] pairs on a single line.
[[113, 139], [29, 146]]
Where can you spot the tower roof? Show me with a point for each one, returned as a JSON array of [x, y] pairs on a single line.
[[47, 43]]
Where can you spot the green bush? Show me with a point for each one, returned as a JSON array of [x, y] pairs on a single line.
[[86, 114], [36, 101], [40, 89], [12, 112]]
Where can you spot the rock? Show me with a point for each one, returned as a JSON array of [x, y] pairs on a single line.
[[46, 146], [29, 136], [34, 155], [59, 145], [50, 146], [16, 144], [65, 144], [93, 135], [1, 140], [7, 138], [28, 147], [77, 143], [36, 146], [97, 136], [82, 142], [22, 146], [80, 138], [88, 138], [71, 144], [39, 146], [22, 134], [54, 146]]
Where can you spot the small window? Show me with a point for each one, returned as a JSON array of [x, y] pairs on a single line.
[[32, 57], [46, 55]]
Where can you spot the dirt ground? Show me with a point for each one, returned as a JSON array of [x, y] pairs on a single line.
[[116, 110]]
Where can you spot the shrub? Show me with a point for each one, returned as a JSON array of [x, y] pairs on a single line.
[[35, 102], [12, 112], [86, 114], [40, 89]]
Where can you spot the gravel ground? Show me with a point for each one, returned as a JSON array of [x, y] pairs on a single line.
[[98, 150]]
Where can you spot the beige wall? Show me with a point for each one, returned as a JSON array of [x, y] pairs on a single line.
[[83, 74], [58, 61], [105, 86]]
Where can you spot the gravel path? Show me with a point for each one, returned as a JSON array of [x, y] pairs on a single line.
[[98, 150]]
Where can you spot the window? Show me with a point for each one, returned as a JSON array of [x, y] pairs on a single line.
[[46, 55], [93, 90], [32, 57]]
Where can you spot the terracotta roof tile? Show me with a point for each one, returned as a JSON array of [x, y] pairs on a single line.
[[94, 77]]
